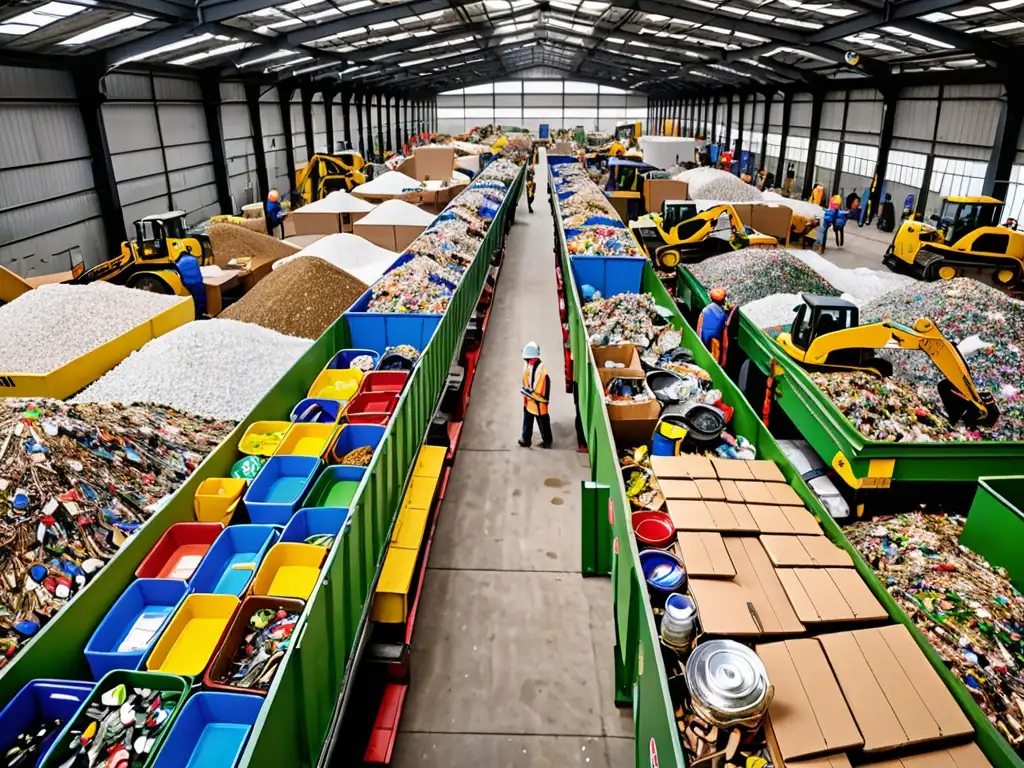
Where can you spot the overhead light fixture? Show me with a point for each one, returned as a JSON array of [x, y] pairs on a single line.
[[268, 57], [108, 29], [314, 68], [169, 48], [213, 52]]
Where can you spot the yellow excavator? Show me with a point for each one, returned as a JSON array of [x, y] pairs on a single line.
[[826, 335], [324, 174], [681, 234], [966, 239]]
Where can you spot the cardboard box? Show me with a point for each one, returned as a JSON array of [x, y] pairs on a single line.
[[621, 206], [752, 604], [620, 354], [828, 761], [657, 191], [784, 494], [772, 518], [679, 489], [394, 237], [805, 552], [808, 715], [743, 211], [731, 492], [765, 471], [732, 469], [896, 697], [704, 554], [964, 756], [634, 423], [821, 595], [754, 492], [687, 466], [772, 219], [311, 221], [429, 163]]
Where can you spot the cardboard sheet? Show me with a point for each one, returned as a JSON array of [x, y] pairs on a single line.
[[805, 552], [753, 603], [771, 518], [964, 756], [693, 467], [828, 761], [783, 494], [704, 555], [690, 515], [732, 469], [766, 471], [755, 492], [720, 516], [731, 492], [808, 715], [679, 489], [710, 490], [830, 594], [895, 695]]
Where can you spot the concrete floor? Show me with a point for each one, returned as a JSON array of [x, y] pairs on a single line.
[[512, 654], [862, 247]]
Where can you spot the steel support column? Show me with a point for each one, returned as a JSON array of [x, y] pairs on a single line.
[[738, 151], [252, 101], [842, 147], [817, 103], [346, 119], [728, 121], [1004, 149], [890, 98], [90, 102], [380, 124], [284, 93], [368, 105], [361, 136], [210, 89], [929, 164], [306, 93], [769, 96], [787, 108]]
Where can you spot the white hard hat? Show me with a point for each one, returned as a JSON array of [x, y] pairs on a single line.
[[531, 350]]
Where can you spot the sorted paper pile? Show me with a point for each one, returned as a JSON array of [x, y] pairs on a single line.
[[625, 318], [887, 410], [52, 325], [79, 480], [716, 184], [969, 611], [395, 212], [390, 183], [962, 308], [216, 368], [339, 202], [754, 273]]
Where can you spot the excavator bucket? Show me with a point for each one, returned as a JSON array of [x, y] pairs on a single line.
[[960, 408], [12, 286]]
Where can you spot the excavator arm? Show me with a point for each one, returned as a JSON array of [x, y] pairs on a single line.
[[960, 395]]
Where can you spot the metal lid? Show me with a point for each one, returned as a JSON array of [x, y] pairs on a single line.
[[725, 676]]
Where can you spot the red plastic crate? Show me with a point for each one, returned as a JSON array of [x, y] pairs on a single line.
[[181, 540], [372, 402], [384, 381]]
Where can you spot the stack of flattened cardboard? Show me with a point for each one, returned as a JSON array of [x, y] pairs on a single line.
[[632, 423], [871, 689], [821, 595], [704, 554], [753, 603], [805, 552], [896, 697]]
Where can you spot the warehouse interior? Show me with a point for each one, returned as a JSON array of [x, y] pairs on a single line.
[[174, 434]]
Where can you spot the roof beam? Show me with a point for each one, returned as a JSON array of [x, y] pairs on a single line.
[[167, 10], [886, 15], [379, 15]]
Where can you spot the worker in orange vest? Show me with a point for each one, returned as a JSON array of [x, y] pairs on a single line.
[[536, 390]]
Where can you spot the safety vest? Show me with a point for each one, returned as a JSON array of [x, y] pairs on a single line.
[[536, 389]]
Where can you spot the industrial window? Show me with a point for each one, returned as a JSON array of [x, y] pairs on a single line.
[[509, 86], [552, 114], [612, 114], [860, 159], [542, 86], [488, 88], [581, 114], [575, 86], [514, 115], [1014, 207], [827, 154], [636, 114], [450, 113], [773, 146], [796, 148], [957, 177], [906, 168], [486, 113]]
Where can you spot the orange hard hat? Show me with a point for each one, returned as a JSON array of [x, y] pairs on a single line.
[[274, 196], [718, 294]]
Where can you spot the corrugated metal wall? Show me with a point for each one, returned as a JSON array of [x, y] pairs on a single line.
[[48, 204], [274, 147], [239, 152], [156, 130], [319, 124], [298, 131]]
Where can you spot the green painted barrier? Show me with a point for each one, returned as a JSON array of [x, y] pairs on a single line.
[[294, 722], [995, 524], [639, 673], [862, 463]]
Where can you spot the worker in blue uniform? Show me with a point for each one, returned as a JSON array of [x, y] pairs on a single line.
[[274, 213], [713, 325]]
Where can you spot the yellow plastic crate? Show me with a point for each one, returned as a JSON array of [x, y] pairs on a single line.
[[217, 499], [391, 600], [336, 384], [263, 438], [63, 382], [187, 644], [307, 440], [289, 570], [430, 462]]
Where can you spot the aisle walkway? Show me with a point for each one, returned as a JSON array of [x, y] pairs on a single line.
[[512, 656]]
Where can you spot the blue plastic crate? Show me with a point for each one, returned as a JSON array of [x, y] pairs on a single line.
[[144, 608], [324, 412], [344, 358], [234, 559], [210, 731], [37, 704], [313, 521], [275, 493], [378, 331], [611, 275], [354, 436]]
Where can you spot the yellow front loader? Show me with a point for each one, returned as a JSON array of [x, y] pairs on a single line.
[[324, 174], [826, 335]]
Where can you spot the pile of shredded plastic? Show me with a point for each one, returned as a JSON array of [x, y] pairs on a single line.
[[716, 184], [969, 611], [602, 241], [963, 308], [420, 285], [754, 273], [625, 318], [886, 410]]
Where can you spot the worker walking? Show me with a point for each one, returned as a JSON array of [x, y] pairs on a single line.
[[839, 225], [536, 390], [713, 325], [531, 187], [274, 213]]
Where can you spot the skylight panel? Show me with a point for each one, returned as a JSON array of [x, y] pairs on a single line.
[[1004, 5], [213, 52], [655, 17], [716, 30], [170, 47], [938, 16], [269, 57], [748, 36], [976, 11], [314, 68], [618, 41], [108, 29], [298, 5], [831, 10], [1005, 27], [797, 23], [37, 18], [288, 64]]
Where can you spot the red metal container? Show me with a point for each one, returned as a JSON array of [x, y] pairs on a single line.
[[178, 552], [384, 381]]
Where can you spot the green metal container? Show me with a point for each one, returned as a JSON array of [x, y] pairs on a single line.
[[995, 524], [861, 463], [296, 718], [640, 676]]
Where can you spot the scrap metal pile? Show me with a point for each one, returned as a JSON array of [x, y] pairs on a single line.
[[969, 611], [592, 227], [447, 247], [75, 482]]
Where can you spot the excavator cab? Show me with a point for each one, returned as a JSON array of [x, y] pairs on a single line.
[[325, 173], [827, 335], [958, 217]]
